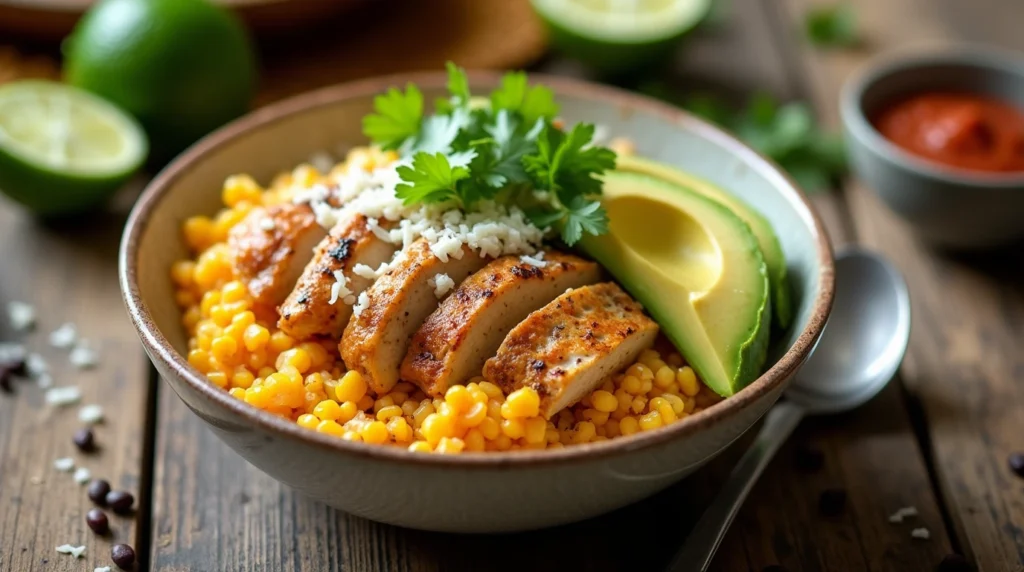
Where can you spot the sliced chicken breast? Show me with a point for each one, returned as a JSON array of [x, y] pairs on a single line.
[[375, 340], [308, 311], [270, 246], [454, 342], [567, 348]]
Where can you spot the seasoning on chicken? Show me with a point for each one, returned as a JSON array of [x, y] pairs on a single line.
[[309, 310], [269, 248], [377, 337], [567, 348], [454, 342]]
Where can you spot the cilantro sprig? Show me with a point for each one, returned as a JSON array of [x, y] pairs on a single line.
[[508, 148]]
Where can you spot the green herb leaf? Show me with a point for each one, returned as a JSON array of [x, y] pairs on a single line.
[[583, 216], [458, 84], [531, 103], [440, 131], [397, 117], [565, 165], [430, 179], [832, 25]]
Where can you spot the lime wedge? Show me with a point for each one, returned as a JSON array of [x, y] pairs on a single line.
[[618, 35], [63, 150]]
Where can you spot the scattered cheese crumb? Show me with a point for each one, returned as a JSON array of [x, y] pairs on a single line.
[[902, 513], [44, 380], [534, 260], [11, 353], [90, 414], [267, 224], [361, 303], [21, 315], [82, 475], [102, 569], [921, 533], [61, 396], [35, 365], [339, 288], [83, 357], [76, 551], [442, 283], [64, 336], [64, 465]]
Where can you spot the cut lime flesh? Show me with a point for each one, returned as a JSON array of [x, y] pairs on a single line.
[[62, 149]]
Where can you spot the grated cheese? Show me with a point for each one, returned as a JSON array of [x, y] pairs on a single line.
[[535, 260], [44, 381], [902, 513], [339, 288], [21, 315], [442, 284], [361, 303], [61, 396], [76, 551], [268, 224], [64, 464], [36, 366], [83, 357], [102, 569], [12, 353], [90, 414], [921, 533], [82, 475], [64, 337]]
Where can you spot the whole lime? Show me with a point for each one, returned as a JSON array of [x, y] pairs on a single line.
[[181, 67]]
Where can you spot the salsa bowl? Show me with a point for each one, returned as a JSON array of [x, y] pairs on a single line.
[[471, 492]]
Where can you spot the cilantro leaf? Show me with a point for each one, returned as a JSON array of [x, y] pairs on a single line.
[[565, 165], [832, 26], [430, 179], [583, 216], [458, 83], [531, 103], [397, 117], [440, 131]]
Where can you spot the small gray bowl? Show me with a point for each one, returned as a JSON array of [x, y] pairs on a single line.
[[948, 207]]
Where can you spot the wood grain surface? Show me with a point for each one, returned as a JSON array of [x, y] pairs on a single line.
[[69, 272]]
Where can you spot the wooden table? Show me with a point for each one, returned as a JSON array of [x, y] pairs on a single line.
[[936, 439]]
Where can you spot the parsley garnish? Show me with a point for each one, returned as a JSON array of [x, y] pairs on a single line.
[[832, 26], [508, 150]]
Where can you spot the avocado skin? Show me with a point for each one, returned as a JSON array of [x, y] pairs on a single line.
[[662, 306], [782, 295]]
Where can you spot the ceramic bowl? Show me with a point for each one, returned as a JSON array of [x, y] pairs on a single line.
[[476, 492], [945, 206]]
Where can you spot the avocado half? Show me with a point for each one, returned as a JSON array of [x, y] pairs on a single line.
[[782, 298], [697, 269]]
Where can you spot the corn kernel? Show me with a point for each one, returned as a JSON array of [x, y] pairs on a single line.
[[666, 413], [347, 411], [388, 412], [490, 428], [458, 398], [426, 408], [218, 378], [492, 391], [365, 403], [351, 436], [237, 393], [604, 401], [383, 402], [308, 421], [639, 403], [475, 415], [450, 445], [677, 403], [650, 421], [502, 443], [224, 348], [255, 337], [646, 385], [536, 429], [198, 232], [435, 427], [474, 440], [265, 372], [327, 409], [596, 417], [631, 384], [628, 425], [280, 341], [399, 428], [664, 377], [494, 409], [352, 387], [409, 407], [200, 360], [551, 435], [611, 428], [688, 381], [420, 447], [585, 431], [523, 402], [375, 432], [513, 428], [330, 428]]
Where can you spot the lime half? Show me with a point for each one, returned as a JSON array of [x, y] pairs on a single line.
[[618, 35], [63, 150]]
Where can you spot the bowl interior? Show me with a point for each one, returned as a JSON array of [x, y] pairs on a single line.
[[278, 138]]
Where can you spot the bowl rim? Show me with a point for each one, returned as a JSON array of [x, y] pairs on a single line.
[[161, 351], [986, 59]]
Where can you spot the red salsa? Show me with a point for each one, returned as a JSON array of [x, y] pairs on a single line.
[[962, 130]]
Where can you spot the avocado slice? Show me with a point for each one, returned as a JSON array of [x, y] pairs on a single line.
[[697, 269], [782, 299]]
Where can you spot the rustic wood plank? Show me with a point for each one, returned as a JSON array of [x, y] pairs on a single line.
[[969, 307], [211, 507], [69, 272]]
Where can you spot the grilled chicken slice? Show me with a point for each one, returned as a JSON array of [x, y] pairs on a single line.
[[454, 342], [308, 310], [567, 348], [270, 246], [375, 341]]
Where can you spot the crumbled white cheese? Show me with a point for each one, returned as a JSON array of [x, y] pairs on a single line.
[[535, 260], [267, 224], [102, 569], [21, 315], [442, 284], [61, 396], [82, 475], [339, 288], [44, 380], [64, 465], [64, 336], [76, 551], [83, 357], [36, 366], [902, 513], [364, 271], [90, 414], [922, 533], [361, 303], [10, 353]]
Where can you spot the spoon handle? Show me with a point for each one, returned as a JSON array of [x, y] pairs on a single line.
[[700, 546]]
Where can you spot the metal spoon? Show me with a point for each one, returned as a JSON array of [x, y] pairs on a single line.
[[858, 353]]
